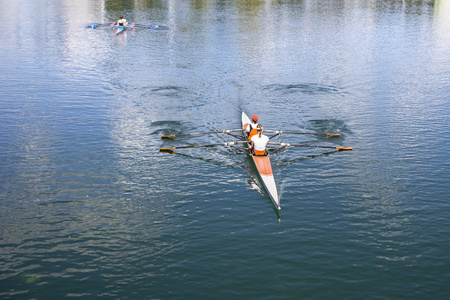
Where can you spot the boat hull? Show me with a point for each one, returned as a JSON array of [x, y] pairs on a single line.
[[120, 29], [264, 168]]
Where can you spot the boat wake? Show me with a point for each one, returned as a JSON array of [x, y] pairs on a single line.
[[255, 187]]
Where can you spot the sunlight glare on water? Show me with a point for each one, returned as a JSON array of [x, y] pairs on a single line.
[[91, 207]]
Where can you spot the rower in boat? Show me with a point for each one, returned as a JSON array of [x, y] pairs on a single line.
[[259, 141], [251, 128], [122, 22], [261, 159]]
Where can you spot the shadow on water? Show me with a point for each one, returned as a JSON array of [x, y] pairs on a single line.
[[168, 91], [285, 163], [209, 160], [305, 88], [248, 166], [328, 125], [168, 127], [166, 123]]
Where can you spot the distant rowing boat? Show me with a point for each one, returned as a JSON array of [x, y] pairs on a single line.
[[120, 29], [134, 26]]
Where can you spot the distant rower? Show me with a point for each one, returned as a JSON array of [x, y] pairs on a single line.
[[122, 21]]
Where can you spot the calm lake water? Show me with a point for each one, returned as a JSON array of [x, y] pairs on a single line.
[[91, 208]]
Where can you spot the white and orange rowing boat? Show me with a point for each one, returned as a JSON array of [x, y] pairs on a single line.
[[264, 167], [262, 162]]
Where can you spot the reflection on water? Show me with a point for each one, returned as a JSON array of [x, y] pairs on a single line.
[[87, 198]]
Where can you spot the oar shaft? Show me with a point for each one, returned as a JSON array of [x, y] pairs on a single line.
[[297, 132], [279, 149], [311, 146], [198, 133], [198, 146]]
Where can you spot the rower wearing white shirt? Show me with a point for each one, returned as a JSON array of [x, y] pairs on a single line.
[[259, 141], [251, 128]]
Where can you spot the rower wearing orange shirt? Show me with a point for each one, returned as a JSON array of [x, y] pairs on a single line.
[[251, 128]]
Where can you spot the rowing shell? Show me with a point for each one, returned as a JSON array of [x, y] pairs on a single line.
[[264, 168], [120, 29]]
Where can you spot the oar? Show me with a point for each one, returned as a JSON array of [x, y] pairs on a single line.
[[312, 146], [279, 149], [198, 146], [132, 24], [197, 133], [296, 132]]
